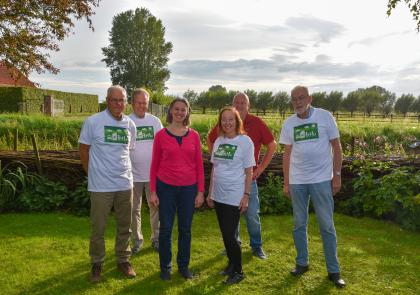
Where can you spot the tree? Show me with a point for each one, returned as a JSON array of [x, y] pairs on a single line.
[[318, 99], [416, 105], [281, 102], [264, 101], [203, 101], [370, 99], [138, 53], [253, 96], [29, 29], [404, 103], [413, 5], [387, 102], [191, 96], [333, 101], [351, 102]]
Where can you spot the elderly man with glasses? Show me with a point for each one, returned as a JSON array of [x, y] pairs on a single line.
[[105, 143]]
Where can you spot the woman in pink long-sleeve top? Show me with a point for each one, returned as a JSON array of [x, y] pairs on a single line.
[[176, 184]]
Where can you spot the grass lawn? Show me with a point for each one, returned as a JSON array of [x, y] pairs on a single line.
[[48, 254]]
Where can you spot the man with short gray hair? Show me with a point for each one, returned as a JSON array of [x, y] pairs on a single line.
[[105, 143], [312, 171], [147, 126]]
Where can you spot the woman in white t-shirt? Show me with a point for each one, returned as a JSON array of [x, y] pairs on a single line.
[[230, 184]]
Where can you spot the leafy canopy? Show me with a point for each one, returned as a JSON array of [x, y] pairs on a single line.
[[138, 53], [29, 29]]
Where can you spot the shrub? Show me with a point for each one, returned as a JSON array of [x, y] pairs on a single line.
[[394, 196], [80, 199], [272, 199], [45, 195]]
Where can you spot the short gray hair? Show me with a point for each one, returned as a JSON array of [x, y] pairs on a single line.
[[300, 87], [117, 87], [241, 94]]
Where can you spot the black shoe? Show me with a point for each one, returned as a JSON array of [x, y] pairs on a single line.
[[299, 270], [165, 275], [336, 279], [227, 271], [234, 278], [258, 252], [185, 273]]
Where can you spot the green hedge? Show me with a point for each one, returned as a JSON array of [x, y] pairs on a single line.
[[10, 98], [74, 103]]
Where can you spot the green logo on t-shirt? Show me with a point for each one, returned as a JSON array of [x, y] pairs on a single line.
[[225, 151], [306, 132], [145, 133], [116, 134]]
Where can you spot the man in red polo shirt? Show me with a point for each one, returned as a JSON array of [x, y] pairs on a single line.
[[260, 134]]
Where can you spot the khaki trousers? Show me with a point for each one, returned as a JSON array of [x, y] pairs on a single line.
[[101, 205], [137, 234]]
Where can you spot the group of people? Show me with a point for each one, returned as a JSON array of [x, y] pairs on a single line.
[[126, 156]]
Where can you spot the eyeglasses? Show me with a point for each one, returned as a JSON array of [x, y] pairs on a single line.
[[117, 100], [298, 98]]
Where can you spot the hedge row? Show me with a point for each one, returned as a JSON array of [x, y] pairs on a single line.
[[74, 103]]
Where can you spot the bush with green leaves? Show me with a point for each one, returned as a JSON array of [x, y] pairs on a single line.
[[79, 200], [45, 195], [272, 199], [393, 194], [14, 179]]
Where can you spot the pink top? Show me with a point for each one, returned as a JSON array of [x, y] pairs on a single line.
[[174, 164]]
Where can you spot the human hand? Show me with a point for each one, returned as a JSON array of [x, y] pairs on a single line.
[[243, 205], [286, 191], [336, 184], [210, 201], [154, 200], [257, 172], [199, 199]]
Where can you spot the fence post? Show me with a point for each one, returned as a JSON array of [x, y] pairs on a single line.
[[392, 117], [37, 158], [16, 139]]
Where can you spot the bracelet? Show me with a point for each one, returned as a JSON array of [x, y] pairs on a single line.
[[247, 194]]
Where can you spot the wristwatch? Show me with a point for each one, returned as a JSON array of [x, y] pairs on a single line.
[[338, 173], [247, 194]]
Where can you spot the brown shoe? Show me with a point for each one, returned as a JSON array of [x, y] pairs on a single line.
[[127, 269], [95, 274]]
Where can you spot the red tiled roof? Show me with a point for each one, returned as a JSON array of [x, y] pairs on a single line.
[[6, 78]]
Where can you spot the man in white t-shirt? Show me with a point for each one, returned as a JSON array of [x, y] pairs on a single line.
[[312, 170], [147, 126], [105, 143]]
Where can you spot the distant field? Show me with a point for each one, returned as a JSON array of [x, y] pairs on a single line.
[[366, 136]]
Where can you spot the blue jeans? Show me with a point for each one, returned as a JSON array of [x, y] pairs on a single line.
[[322, 200], [252, 218], [172, 200]]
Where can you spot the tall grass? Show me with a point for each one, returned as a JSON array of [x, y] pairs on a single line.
[[358, 137]]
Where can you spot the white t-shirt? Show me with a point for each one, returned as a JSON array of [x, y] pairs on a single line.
[[109, 158], [230, 157], [141, 157], [311, 160]]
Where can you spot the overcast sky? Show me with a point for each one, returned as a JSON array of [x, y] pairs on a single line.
[[257, 44]]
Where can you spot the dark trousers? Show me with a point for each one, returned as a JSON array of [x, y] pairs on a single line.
[[175, 200], [228, 218]]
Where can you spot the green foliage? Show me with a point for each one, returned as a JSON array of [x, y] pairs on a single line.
[[138, 53], [272, 199], [10, 98], [31, 100], [14, 179], [386, 192], [413, 5], [79, 200], [405, 103], [30, 29], [45, 195]]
